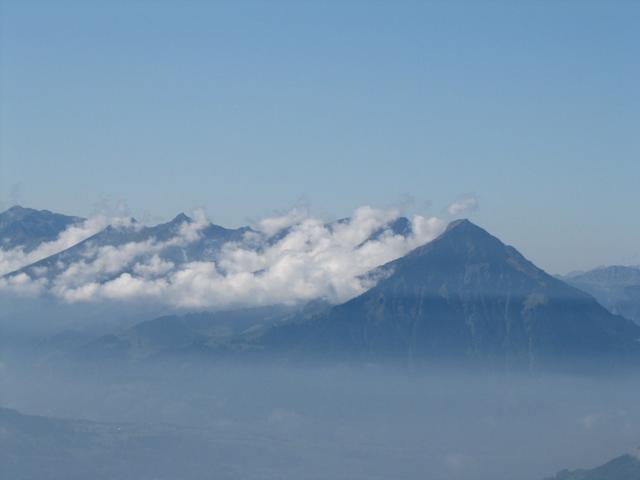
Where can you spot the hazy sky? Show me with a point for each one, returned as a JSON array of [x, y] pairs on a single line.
[[246, 108]]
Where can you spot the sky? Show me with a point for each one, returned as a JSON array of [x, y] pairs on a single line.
[[250, 108]]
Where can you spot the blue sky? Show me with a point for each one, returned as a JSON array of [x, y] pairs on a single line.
[[246, 108]]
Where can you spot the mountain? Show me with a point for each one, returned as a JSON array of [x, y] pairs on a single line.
[[465, 296], [27, 228], [180, 334], [625, 467], [616, 287], [399, 226], [167, 240], [130, 249]]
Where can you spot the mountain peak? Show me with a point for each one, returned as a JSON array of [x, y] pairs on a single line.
[[17, 208], [464, 225], [461, 222], [18, 211], [27, 227], [181, 218], [461, 240]]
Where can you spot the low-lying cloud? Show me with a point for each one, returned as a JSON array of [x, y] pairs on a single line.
[[16, 258], [287, 259]]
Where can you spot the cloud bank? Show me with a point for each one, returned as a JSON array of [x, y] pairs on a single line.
[[16, 258], [287, 259]]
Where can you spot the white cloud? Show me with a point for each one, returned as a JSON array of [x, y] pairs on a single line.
[[16, 258], [155, 267], [23, 284], [312, 260], [273, 225], [463, 206]]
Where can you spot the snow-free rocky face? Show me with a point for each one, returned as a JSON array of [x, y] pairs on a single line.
[[466, 296]]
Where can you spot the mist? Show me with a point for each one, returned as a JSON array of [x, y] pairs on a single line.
[[268, 420]]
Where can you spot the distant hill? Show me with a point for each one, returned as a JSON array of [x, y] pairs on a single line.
[[616, 287], [465, 296], [185, 334], [625, 467], [27, 228]]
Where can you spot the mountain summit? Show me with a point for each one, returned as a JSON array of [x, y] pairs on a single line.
[[465, 296], [27, 228]]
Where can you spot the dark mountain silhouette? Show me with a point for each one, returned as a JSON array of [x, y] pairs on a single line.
[[465, 296]]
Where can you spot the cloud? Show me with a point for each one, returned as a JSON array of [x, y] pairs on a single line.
[[273, 225], [23, 285], [463, 206], [287, 259], [16, 258]]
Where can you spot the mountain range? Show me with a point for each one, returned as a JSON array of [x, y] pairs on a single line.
[[616, 287], [179, 241], [162, 240], [463, 297]]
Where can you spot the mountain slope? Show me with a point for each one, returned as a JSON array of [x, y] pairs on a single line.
[[616, 287], [464, 296], [174, 241], [625, 467], [27, 228], [179, 334]]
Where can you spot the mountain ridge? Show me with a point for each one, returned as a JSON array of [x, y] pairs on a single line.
[[624, 467], [617, 287]]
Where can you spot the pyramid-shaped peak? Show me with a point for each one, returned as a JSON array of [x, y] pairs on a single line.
[[181, 218], [467, 229], [462, 241], [463, 223]]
